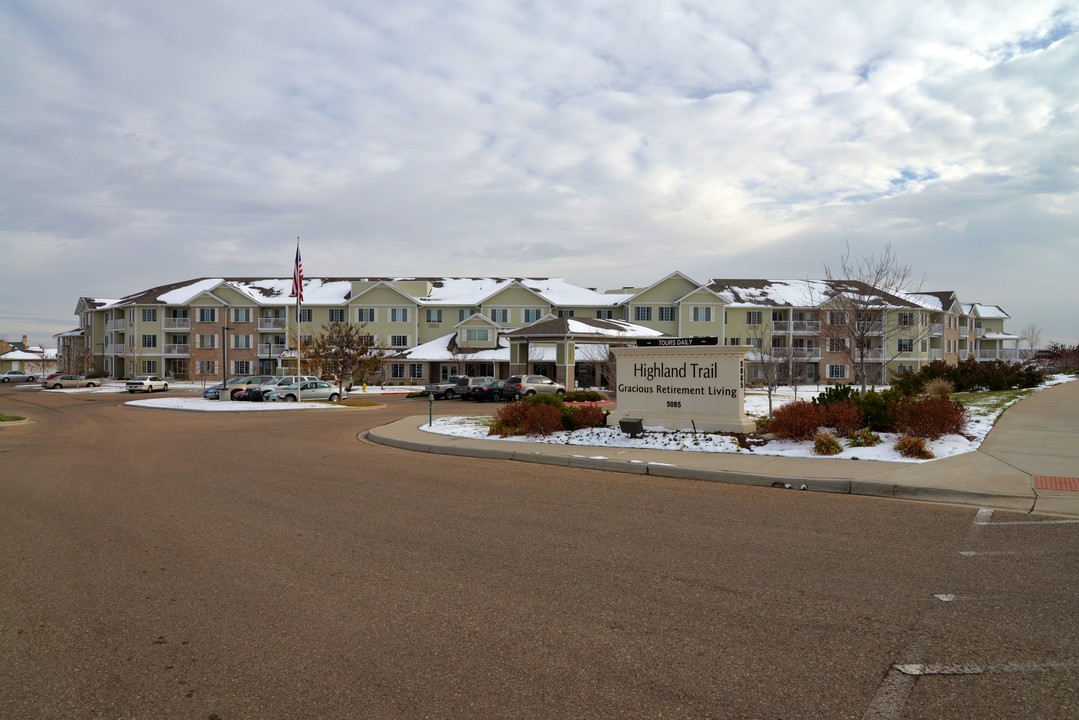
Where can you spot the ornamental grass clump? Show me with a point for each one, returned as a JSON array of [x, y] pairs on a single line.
[[826, 443], [864, 438], [913, 447]]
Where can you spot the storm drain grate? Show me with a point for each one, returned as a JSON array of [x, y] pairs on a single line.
[[1052, 482]]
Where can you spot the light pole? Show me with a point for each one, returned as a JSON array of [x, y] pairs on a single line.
[[224, 357]]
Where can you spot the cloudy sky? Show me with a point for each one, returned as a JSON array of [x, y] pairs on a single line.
[[606, 142]]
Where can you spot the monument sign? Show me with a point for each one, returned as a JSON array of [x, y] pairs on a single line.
[[683, 384]]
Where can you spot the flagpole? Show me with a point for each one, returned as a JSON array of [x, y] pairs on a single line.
[[297, 291]]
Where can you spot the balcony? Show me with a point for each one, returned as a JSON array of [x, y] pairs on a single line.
[[806, 327], [808, 353], [781, 326], [873, 327], [271, 323], [117, 325], [271, 349], [179, 349], [114, 349], [875, 355], [1003, 354], [936, 329], [176, 323]]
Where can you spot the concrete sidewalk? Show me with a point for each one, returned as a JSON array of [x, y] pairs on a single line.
[[1034, 443]]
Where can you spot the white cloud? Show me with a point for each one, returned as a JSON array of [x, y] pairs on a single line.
[[607, 142]]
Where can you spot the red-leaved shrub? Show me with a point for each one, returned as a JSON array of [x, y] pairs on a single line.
[[542, 420], [509, 420], [796, 420], [844, 417], [588, 416], [929, 418]]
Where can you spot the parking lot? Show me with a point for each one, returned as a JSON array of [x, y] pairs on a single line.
[[249, 565]]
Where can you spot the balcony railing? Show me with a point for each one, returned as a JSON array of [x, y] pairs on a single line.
[[1002, 354], [270, 323], [870, 354], [810, 353], [936, 329], [936, 354], [117, 325], [176, 323], [114, 349], [873, 327], [178, 349], [806, 326], [271, 349], [781, 326]]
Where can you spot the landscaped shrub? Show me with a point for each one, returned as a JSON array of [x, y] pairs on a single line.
[[585, 396], [542, 419], [877, 409], [826, 444], [929, 418], [588, 416], [509, 420], [836, 394], [913, 447], [844, 417], [969, 375], [864, 438], [764, 424], [544, 399], [795, 421]]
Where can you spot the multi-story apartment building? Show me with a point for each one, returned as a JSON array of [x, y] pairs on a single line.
[[430, 328]]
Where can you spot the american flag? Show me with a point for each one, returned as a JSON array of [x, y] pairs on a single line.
[[297, 276]]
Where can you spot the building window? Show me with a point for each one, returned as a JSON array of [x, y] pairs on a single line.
[[837, 317], [465, 314], [415, 370], [837, 372], [207, 315], [337, 315], [565, 313], [207, 367], [666, 313], [755, 342], [477, 335], [702, 314], [241, 367], [905, 368], [149, 367], [532, 314], [500, 315], [306, 339], [754, 317], [397, 371], [149, 314], [906, 318], [399, 340], [605, 314], [642, 313], [149, 341], [434, 315], [241, 315], [779, 342], [906, 345], [242, 342], [365, 315], [206, 341], [305, 315], [837, 344], [399, 314]]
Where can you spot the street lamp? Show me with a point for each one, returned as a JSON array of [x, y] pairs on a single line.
[[224, 356]]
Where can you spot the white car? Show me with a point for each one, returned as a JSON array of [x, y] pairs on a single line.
[[146, 383], [310, 390], [68, 381], [16, 376]]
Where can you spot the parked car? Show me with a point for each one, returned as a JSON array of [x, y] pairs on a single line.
[[519, 386], [237, 386], [55, 382], [446, 389], [16, 376], [240, 381], [146, 383], [466, 383], [282, 381], [491, 390], [310, 390]]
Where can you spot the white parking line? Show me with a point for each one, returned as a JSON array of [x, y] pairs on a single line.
[[977, 669], [1029, 522]]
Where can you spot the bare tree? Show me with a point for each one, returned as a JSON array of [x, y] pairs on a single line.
[[599, 361], [1032, 336], [344, 350], [859, 311]]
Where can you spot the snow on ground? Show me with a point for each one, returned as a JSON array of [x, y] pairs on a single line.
[[756, 404]]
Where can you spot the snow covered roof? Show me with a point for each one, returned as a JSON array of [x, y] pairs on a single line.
[[443, 349], [25, 355], [988, 312], [999, 336], [587, 327], [779, 293]]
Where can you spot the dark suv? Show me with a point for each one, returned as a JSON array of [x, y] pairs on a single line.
[[518, 386]]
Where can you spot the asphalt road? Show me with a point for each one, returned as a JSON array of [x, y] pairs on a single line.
[[161, 564]]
